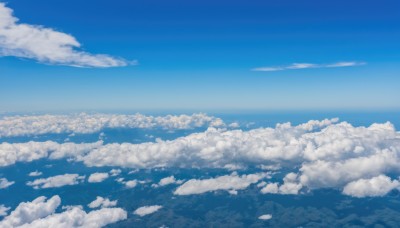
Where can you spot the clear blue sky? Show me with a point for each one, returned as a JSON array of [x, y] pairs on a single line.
[[200, 55]]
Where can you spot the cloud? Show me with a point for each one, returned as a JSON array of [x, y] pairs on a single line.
[[146, 210], [3, 210], [97, 177], [265, 217], [297, 66], [56, 181], [321, 154], [167, 181], [35, 173], [11, 126], [115, 172], [4, 183], [102, 202], [290, 185], [46, 45], [214, 148], [42, 213], [130, 184], [376, 186], [10, 153], [227, 183]]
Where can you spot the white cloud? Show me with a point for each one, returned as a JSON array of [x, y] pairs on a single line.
[[35, 173], [4, 183], [265, 217], [130, 184], [376, 186], [146, 210], [296, 66], [324, 154], [10, 153], [115, 172], [97, 177], [227, 183], [234, 125], [41, 213], [290, 185], [167, 181], [83, 123], [56, 181], [102, 202], [3, 210], [215, 148], [46, 45]]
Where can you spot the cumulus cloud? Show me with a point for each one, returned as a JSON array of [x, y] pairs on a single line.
[[83, 123], [376, 186], [115, 172], [41, 212], [35, 173], [4, 183], [3, 210], [56, 181], [10, 153], [97, 177], [130, 184], [297, 66], [290, 185], [146, 210], [324, 154], [102, 202], [227, 183], [167, 181], [46, 45], [265, 217], [214, 148]]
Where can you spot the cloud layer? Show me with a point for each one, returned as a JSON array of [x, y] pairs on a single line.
[[89, 123], [298, 66], [321, 154], [46, 45], [41, 212]]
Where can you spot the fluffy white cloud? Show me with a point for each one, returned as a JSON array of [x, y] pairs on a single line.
[[35, 173], [90, 123], [146, 210], [97, 177], [3, 210], [102, 202], [324, 154], [10, 153], [167, 181], [4, 183], [213, 148], [115, 172], [130, 184], [46, 45], [41, 213], [290, 185], [297, 66], [227, 183], [376, 186], [56, 181], [265, 217]]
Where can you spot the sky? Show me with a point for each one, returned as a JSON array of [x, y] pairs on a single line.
[[203, 55]]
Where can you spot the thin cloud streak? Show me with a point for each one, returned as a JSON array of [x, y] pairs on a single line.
[[297, 66]]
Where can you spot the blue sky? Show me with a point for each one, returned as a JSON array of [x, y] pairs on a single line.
[[200, 56]]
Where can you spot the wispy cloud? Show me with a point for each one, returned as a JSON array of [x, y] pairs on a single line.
[[46, 45], [297, 66]]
